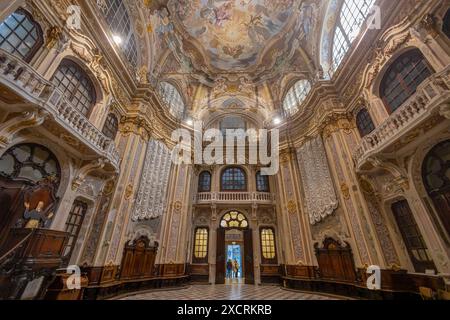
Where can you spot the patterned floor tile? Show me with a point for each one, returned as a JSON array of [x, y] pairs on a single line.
[[227, 292]]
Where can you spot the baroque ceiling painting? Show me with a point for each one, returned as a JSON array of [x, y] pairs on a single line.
[[232, 43], [234, 32]]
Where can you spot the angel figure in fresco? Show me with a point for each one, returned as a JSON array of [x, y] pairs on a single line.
[[256, 30], [217, 15]]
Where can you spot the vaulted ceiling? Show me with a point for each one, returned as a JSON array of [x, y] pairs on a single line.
[[255, 39]]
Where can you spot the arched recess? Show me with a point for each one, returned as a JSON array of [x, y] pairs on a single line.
[[30, 176]]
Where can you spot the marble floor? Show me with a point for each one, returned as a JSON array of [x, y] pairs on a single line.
[[227, 292]]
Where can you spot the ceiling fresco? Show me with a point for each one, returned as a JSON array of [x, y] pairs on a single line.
[[234, 32], [233, 45]]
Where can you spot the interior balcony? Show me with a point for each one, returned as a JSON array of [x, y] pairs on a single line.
[[36, 101], [245, 198], [421, 112]]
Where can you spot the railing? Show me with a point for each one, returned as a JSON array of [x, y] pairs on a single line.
[[244, 197], [9, 255], [21, 77], [429, 96]]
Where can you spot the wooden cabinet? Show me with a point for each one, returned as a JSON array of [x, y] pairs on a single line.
[[336, 261], [138, 259]]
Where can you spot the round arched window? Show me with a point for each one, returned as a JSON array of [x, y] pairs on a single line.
[[296, 96], [234, 220], [31, 163]]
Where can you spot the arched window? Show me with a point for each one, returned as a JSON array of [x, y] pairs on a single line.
[[436, 177], [73, 226], [204, 182], [268, 248], [262, 183], [446, 24], [118, 19], [402, 78], [364, 123], [352, 17], [414, 242], [30, 162], [173, 99], [233, 179], [111, 126], [295, 96], [234, 220], [201, 245], [76, 85], [20, 35]]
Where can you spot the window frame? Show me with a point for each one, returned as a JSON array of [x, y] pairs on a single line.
[[264, 260], [267, 182], [109, 129], [129, 46], [201, 184], [237, 213], [18, 165], [405, 212], [344, 36], [75, 226], [196, 259], [173, 98], [400, 82], [83, 75], [296, 96], [365, 125], [39, 33], [244, 189]]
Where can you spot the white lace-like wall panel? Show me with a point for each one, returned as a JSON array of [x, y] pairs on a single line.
[[321, 199], [151, 198]]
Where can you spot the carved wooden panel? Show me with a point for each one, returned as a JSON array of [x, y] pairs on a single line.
[[336, 261]]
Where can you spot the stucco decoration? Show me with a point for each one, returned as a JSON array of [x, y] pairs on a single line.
[[320, 195], [151, 198]]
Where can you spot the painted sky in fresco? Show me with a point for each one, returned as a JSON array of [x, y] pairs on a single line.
[[234, 32]]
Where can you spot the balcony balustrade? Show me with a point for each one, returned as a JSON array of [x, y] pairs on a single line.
[[32, 87], [430, 96], [234, 197]]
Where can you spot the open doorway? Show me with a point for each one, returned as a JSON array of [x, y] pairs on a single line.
[[234, 256], [233, 265]]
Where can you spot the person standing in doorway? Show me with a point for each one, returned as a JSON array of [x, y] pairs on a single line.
[[229, 269], [236, 268]]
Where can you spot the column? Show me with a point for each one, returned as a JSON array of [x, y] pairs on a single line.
[[340, 139], [132, 144], [293, 227], [175, 225]]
